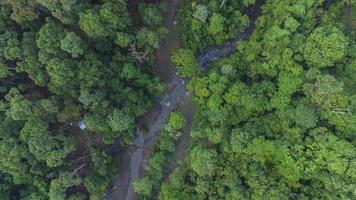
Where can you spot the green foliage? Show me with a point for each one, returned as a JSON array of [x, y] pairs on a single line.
[[184, 60], [143, 186], [152, 14], [30, 63], [305, 116], [123, 39], [97, 182], [49, 37], [148, 185], [65, 11], [325, 46], [203, 161], [110, 17], [58, 67], [248, 2], [90, 23], [176, 121], [95, 123], [119, 121], [20, 108], [59, 185], [216, 28], [216, 25], [9, 46], [60, 73], [12, 155], [146, 38], [23, 11], [325, 91], [205, 23], [72, 44], [274, 119], [4, 70], [201, 13]]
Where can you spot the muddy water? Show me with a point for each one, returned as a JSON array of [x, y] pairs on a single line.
[[133, 162]]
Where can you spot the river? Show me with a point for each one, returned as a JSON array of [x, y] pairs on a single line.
[[134, 161]]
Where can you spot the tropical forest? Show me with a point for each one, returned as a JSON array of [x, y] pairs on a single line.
[[177, 99]]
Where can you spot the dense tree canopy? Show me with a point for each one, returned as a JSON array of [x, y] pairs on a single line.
[[325, 46], [64, 63], [276, 118]]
